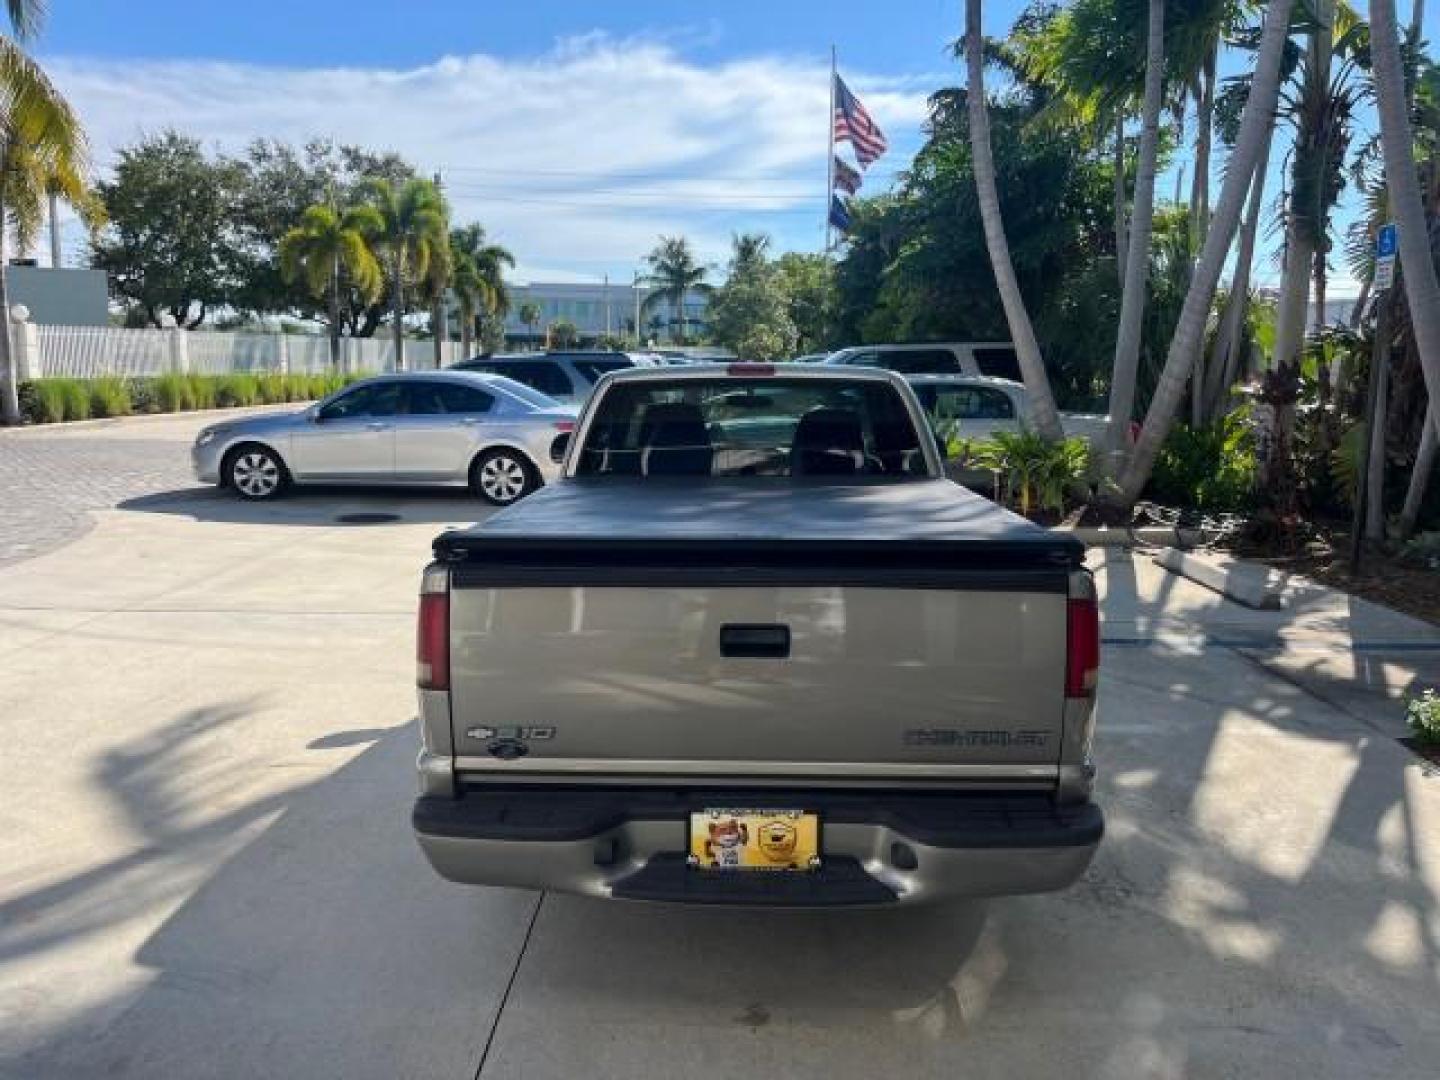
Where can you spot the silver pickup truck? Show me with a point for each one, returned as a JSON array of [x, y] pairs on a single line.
[[753, 648]]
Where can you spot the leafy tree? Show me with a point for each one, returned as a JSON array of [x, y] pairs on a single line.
[[915, 265], [674, 274], [478, 280], [326, 246], [413, 218], [280, 182], [530, 316], [171, 245], [750, 313], [563, 334], [808, 284]]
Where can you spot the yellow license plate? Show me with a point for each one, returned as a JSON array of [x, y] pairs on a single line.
[[734, 839]]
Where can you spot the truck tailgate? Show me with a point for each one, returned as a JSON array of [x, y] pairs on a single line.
[[847, 661]]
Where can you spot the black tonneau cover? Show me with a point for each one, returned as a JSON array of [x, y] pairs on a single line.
[[917, 533]]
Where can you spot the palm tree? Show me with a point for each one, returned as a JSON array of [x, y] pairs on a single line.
[[1132, 295], [413, 223], [748, 251], [42, 150], [1043, 414], [479, 281], [1256, 129], [674, 274], [530, 316], [327, 246], [1422, 290]]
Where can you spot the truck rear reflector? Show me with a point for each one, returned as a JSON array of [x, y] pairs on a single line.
[[1082, 654], [432, 642]]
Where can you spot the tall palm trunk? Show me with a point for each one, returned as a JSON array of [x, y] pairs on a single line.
[[1204, 140], [1043, 414], [467, 328], [9, 370], [1224, 366], [439, 331], [1137, 267], [1122, 238], [1304, 222], [1422, 291], [334, 306], [397, 309], [1256, 128], [1430, 436]]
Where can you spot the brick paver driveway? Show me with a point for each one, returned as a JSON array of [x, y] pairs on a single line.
[[52, 477]]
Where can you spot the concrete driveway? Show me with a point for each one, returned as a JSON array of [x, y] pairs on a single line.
[[206, 867]]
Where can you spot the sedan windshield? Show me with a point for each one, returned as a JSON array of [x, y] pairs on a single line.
[[760, 427]]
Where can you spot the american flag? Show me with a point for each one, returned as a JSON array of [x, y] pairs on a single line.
[[846, 178], [854, 124]]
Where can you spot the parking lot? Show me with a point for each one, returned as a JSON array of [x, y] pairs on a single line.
[[206, 867]]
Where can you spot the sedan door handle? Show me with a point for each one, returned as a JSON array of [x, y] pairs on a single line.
[[467, 421], [377, 426], [755, 640]]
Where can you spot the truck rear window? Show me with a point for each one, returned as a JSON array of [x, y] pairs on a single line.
[[762, 427]]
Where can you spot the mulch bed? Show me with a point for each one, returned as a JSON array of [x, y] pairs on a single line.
[[1428, 750]]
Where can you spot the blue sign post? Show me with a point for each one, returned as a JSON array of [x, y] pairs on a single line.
[[1387, 242]]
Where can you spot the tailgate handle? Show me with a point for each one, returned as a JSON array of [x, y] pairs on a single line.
[[755, 640]]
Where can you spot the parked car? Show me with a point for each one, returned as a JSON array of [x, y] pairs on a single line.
[[434, 428], [565, 376], [977, 406], [938, 358], [753, 648]]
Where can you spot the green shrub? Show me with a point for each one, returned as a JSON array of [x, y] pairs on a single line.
[[76, 396], [202, 391], [1034, 472], [272, 389], [143, 398], [172, 393], [29, 394], [236, 390], [110, 396], [1210, 469], [1423, 714], [49, 401]]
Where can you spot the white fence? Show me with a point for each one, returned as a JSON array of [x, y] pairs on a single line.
[[88, 352]]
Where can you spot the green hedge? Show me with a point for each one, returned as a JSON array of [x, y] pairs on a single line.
[[50, 401]]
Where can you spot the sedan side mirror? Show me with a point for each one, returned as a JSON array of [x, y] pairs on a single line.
[[559, 447], [312, 414]]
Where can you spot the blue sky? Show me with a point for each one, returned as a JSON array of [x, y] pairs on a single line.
[[576, 132]]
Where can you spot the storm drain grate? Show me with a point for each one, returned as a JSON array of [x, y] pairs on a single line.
[[366, 519]]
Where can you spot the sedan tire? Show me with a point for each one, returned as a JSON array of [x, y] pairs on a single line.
[[255, 472], [502, 477]]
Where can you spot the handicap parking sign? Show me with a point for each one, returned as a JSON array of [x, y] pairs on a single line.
[[1386, 242]]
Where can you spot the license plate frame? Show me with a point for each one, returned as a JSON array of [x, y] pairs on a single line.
[[764, 840]]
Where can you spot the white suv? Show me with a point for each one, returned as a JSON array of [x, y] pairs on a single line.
[[996, 359]]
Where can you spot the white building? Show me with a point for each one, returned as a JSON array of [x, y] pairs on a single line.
[[596, 311]]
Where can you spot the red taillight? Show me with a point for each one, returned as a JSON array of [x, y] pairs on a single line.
[[564, 425], [432, 642], [1082, 654], [750, 369]]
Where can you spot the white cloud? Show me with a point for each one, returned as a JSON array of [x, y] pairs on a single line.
[[577, 159]]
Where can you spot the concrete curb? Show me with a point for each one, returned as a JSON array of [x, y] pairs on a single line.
[[140, 418], [1245, 583], [1158, 535]]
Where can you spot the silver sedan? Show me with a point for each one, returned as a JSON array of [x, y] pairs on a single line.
[[435, 428]]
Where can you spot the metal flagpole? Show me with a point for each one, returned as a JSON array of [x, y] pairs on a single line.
[[830, 156]]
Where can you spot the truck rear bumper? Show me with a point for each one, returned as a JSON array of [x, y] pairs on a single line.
[[876, 848]]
